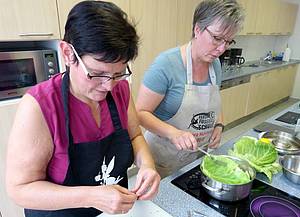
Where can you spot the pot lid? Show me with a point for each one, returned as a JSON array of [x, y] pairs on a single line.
[[270, 206]]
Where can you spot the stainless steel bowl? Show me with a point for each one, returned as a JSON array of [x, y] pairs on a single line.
[[291, 167], [284, 143], [226, 192]]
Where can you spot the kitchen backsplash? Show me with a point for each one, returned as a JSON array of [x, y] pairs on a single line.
[[255, 47]]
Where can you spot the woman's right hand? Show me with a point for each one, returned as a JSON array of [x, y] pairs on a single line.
[[112, 199], [183, 140]]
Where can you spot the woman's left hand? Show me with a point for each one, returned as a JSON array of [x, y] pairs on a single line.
[[147, 183], [215, 138]]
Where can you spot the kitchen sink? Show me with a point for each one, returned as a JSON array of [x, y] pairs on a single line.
[[270, 63]]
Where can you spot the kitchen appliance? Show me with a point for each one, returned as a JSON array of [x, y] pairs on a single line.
[[229, 192], [284, 143], [236, 56], [289, 118], [291, 167], [21, 69], [190, 182]]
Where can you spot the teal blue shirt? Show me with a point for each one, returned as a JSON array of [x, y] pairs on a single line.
[[167, 76]]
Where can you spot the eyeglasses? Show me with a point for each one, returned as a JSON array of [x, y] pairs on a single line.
[[217, 40], [102, 78]]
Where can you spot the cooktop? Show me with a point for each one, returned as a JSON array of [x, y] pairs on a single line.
[[289, 118], [190, 182]]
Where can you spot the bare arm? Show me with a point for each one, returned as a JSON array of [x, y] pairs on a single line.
[[29, 150], [147, 102], [147, 178]]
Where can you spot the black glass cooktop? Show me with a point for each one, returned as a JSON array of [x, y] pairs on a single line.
[[190, 182], [289, 118]]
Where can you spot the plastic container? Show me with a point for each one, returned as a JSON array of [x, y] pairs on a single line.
[[287, 55]]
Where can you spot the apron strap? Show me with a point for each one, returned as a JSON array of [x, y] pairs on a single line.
[[189, 67], [65, 97], [113, 112]]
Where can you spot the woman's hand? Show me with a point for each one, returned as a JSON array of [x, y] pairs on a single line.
[[147, 183], [183, 140], [113, 199], [215, 138]]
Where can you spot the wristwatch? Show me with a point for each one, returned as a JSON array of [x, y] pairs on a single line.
[[219, 125]]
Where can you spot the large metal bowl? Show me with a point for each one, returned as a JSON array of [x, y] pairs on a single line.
[[291, 167], [284, 143], [227, 192]]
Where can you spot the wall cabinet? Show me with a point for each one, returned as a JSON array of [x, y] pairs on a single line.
[[268, 17], [7, 113], [234, 102], [28, 20]]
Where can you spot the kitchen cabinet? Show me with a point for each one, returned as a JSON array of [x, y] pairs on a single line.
[[64, 8], [287, 17], [156, 27], [249, 27], [7, 113], [269, 87], [234, 102], [268, 17], [185, 12], [28, 20]]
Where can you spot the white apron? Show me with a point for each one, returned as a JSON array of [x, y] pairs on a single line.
[[197, 114]]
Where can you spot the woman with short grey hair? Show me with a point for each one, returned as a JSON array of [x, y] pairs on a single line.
[[179, 101]]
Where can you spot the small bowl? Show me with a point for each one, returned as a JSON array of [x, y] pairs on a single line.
[[291, 167]]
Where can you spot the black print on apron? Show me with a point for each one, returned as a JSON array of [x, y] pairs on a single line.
[[203, 121]]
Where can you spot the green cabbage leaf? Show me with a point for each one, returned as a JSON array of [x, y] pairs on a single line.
[[260, 155], [224, 170]]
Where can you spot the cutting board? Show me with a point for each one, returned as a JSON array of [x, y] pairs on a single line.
[[142, 209]]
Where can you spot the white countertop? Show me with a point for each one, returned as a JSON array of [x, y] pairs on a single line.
[[142, 209]]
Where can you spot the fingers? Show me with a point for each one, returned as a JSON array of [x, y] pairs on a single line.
[[147, 184], [184, 140], [114, 199], [215, 138]]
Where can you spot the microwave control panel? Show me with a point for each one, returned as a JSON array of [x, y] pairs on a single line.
[[50, 64]]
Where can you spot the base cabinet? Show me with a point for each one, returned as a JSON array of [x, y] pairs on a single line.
[[7, 206], [234, 102], [264, 89]]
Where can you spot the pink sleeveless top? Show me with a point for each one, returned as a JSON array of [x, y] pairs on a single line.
[[82, 124]]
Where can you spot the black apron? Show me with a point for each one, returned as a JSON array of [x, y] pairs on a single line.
[[95, 163]]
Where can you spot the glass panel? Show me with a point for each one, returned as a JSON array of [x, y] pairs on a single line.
[[17, 74]]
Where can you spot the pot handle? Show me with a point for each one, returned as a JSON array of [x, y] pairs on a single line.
[[210, 188]]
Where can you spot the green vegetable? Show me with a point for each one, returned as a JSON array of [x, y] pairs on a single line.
[[227, 173], [260, 155]]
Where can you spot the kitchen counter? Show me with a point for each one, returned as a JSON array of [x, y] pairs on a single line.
[[246, 69], [177, 202]]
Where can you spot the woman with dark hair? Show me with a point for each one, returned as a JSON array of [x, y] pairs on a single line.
[[179, 102], [75, 135]]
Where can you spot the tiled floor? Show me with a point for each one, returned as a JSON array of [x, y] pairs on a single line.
[[246, 125]]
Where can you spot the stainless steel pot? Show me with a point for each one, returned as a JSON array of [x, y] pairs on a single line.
[[226, 192], [291, 167], [284, 143]]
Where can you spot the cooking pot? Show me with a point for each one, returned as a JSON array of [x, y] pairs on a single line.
[[284, 143], [228, 192], [291, 167]]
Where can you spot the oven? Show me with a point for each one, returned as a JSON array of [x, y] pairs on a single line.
[[20, 70]]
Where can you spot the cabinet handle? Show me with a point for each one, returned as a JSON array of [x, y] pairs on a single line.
[[250, 33], [36, 34], [259, 33]]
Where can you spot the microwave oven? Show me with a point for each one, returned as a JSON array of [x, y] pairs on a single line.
[[19, 70]]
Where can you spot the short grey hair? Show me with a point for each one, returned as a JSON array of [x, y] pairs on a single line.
[[229, 13]]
